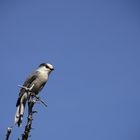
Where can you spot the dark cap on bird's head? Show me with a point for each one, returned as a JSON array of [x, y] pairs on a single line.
[[47, 65]]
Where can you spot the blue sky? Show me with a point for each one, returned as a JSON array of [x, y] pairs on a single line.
[[94, 92]]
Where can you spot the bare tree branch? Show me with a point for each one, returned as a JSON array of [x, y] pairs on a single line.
[[9, 130], [28, 126]]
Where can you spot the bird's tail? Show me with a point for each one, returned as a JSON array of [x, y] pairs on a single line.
[[20, 109]]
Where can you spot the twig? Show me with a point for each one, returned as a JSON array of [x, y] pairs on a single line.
[[9, 130], [28, 126], [27, 89], [39, 99]]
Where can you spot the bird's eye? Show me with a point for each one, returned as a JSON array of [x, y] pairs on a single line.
[[47, 66]]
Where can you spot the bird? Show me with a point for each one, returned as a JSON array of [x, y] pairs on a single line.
[[35, 83]]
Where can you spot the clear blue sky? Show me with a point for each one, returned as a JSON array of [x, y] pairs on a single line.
[[94, 45]]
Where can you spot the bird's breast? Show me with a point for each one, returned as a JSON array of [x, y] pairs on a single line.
[[40, 80]]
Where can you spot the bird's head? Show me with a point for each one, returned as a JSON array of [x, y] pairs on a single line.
[[47, 66]]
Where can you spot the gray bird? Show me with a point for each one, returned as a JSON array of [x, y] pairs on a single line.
[[35, 82]]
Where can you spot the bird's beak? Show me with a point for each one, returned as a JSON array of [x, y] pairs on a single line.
[[52, 69]]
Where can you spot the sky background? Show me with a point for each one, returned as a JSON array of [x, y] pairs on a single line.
[[94, 45]]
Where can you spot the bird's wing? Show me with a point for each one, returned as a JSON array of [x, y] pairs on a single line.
[[27, 84], [43, 84], [29, 80]]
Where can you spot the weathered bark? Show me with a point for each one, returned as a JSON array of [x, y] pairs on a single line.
[[28, 126]]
